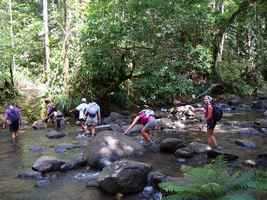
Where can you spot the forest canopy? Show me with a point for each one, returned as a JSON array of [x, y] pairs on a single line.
[[133, 51]]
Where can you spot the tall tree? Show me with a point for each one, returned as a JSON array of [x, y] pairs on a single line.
[[65, 49], [46, 39], [12, 39]]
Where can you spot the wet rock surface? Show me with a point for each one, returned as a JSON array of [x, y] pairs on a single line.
[[108, 147], [55, 134], [47, 164], [170, 145], [124, 176], [30, 174]]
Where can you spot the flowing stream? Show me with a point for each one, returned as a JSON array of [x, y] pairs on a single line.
[[17, 157]]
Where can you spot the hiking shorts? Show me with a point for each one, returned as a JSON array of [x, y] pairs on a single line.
[[91, 121], [151, 124], [211, 124], [14, 126]]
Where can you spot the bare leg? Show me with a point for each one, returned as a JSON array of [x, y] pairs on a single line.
[[145, 135], [93, 130], [211, 138], [14, 135]]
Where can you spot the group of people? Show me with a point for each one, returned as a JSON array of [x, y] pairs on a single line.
[[89, 116]]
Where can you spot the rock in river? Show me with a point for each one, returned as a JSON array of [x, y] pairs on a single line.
[[124, 176], [47, 164], [108, 147], [171, 145], [55, 134]]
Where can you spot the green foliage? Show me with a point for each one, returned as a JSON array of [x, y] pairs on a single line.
[[64, 103], [216, 182]]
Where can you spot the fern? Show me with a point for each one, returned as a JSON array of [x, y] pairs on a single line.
[[261, 181], [214, 181]]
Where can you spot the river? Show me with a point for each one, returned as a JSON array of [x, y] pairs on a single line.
[[17, 157]]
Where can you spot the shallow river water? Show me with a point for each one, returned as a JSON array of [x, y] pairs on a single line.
[[17, 157]]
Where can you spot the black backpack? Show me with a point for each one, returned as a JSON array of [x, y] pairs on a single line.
[[217, 113]]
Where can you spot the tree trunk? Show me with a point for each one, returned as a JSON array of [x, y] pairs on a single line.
[[219, 39], [12, 66], [104, 102], [219, 45], [46, 40], [66, 48]]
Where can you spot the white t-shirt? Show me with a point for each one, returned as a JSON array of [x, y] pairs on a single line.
[[82, 108]]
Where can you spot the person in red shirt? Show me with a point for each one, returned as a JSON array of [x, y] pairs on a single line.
[[147, 118], [207, 109]]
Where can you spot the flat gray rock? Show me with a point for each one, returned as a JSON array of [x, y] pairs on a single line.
[[55, 134]]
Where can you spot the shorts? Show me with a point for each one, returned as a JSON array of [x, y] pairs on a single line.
[[14, 126], [211, 124], [151, 124], [91, 121]]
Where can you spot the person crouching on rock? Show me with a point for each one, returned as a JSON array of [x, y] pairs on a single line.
[[50, 109], [93, 117], [12, 119], [147, 118]]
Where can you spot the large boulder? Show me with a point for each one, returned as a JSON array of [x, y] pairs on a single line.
[[124, 176], [77, 162], [170, 145], [198, 147], [47, 164], [184, 153], [55, 134], [39, 124], [108, 147]]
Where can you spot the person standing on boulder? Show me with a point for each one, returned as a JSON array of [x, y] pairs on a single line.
[[147, 118], [93, 117], [12, 119], [208, 110]]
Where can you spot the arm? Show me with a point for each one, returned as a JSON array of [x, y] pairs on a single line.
[[210, 111], [201, 109], [132, 124], [99, 116]]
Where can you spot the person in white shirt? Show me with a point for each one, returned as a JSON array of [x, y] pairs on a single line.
[[93, 117], [81, 109]]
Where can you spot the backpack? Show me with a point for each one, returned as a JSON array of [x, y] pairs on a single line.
[[217, 113], [148, 112], [13, 115], [92, 110]]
